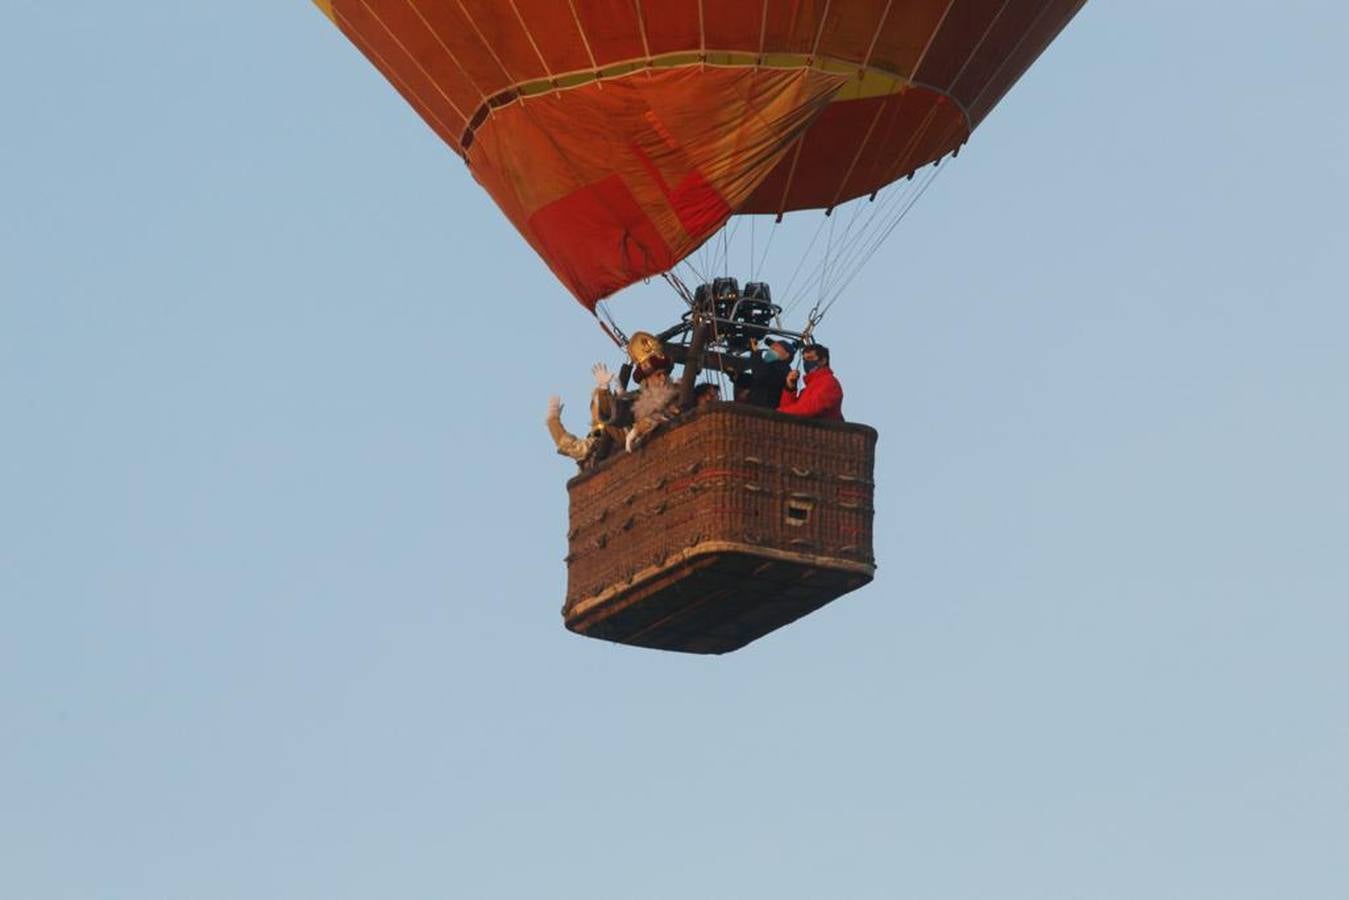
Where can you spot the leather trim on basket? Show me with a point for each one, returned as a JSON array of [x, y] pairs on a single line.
[[705, 548]]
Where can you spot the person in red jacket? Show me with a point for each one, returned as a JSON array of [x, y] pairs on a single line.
[[822, 397]]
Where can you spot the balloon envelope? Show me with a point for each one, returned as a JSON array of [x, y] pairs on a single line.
[[618, 135]]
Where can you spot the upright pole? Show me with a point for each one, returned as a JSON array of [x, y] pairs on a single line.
[[693, 363]]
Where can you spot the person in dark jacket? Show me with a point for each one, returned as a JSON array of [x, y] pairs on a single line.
[[743, 382], [768, 373], [822, 397]]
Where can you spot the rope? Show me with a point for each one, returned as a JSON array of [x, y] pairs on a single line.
[[698, 276], [611, 328], [891, 208], [883, 212], [756, 269], [881, 238], [802, 261], [828, 255], [679, 286], [862, 257], [827, 275]]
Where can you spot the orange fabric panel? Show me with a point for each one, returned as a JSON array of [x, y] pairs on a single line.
[[613, 179], [434, 86], [494, 30], [554, 29], [440, 32], [613, 183], [908, 29], [612, 28]]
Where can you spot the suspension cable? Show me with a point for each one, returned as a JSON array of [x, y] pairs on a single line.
[[679, 286], [609, 326], [697, 274], [802, 261], [827, 275], [869, 213], [880, 239], [828, 255], [756, 269], [883, 213], [872, 246], [880, 219]]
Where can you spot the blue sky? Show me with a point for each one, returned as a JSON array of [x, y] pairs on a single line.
[[281, 531]]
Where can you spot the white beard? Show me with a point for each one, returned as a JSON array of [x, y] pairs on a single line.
[[653, 399]]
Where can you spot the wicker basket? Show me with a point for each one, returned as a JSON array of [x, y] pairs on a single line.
[[727, 524]]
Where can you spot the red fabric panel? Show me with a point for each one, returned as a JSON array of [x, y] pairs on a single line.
[[792, 25], [700, 209], [913, 129], [671, 25], [971, 27], [614, 182], [732, 26], [567, 231], [1036, 35]]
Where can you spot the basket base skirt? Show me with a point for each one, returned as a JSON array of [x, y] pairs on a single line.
[[716, 598]]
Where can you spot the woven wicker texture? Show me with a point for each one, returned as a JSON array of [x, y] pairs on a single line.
[[734, 520]]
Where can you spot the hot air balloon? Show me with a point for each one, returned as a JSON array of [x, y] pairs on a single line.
[[618, 136]]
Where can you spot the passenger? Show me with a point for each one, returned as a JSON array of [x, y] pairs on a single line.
[[769, 373], [706, 394], [603, 438], [822, 397], [744, 383], [658, 400]]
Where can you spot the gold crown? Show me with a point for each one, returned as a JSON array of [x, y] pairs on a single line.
[[647, 354], [643, 346]]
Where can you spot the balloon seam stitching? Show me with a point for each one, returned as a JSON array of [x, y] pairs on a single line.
[[439, 40], [1014, 51], [931, 39], [579, 78], [641, 28], [876, 35], [585, 41], [524, 26], [483, 40], [365, 46]]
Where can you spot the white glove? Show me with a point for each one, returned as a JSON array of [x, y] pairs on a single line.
[[554, 407], [602, 375]]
